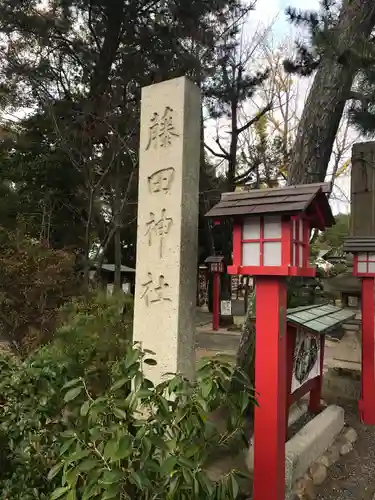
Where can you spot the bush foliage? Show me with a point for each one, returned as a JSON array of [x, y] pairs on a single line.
[[79, 420], [35, 281]]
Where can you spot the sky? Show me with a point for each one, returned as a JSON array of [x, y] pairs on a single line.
[[272, 13]]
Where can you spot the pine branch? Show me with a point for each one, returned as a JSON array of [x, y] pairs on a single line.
[[255, 119], [215, 153], [217, 140]]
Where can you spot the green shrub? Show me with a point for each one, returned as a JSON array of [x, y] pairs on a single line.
[[78, 419], [145, 442], [35, 281]]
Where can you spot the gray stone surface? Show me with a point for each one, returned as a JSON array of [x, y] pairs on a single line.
[[311, 442], [351, 435], [318, 473], [167, 235]]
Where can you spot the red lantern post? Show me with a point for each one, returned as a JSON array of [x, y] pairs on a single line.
[[216, 266], [363, 250], [271, 229]]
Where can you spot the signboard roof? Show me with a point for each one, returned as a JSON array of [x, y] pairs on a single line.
[[319, 318]]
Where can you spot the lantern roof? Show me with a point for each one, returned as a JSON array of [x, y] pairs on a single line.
[[290, 200], [214, 259], [360, 244]]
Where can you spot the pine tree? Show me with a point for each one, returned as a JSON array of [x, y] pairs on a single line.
[[338, 37]]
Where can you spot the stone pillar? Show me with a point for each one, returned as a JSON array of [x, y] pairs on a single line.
[[167, 236]]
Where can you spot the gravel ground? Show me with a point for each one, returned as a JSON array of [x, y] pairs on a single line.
[[353, 477]]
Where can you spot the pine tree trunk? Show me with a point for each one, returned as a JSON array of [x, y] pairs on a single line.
[[246, 350], [325, 104]]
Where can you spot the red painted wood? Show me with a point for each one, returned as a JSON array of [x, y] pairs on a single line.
[[296, 243], [367, 404], [306, 242], [237, 246], [272, 270], [216, 301], [270, 383], [286, 243], [316, 393], [303, 390]]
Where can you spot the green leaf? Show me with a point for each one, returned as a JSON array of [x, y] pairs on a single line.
[[72, 495], [55, 470], [119, 413], [136, 479], [91, 491], [173, 486], [71, 477], [186, 463], [71, 383], [150, 362], [124, 448], [111, 477], [131, 358], [144, 393], [234, 486], [87, 465], [159, 443], [77, 455], [205, 482], [85, 408], [59, 493], [70, 433], [120, 383], [111, 492], [110, 449], [65, 447], [206, 389], [147, 351], [72, 394], [168, 465]]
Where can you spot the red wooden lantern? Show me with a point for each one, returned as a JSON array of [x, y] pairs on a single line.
[[216, 266], [271, 228], [363, 250]]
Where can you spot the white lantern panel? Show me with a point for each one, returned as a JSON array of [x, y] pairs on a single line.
[[294, 225], [272, 227], [362, 267], [251, 228], [272, 253], [300, 227], [362, 257], [371, 256], [371, 267], [301, 256], [251, 254]]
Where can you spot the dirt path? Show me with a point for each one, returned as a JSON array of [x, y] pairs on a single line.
[[353, 477]]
